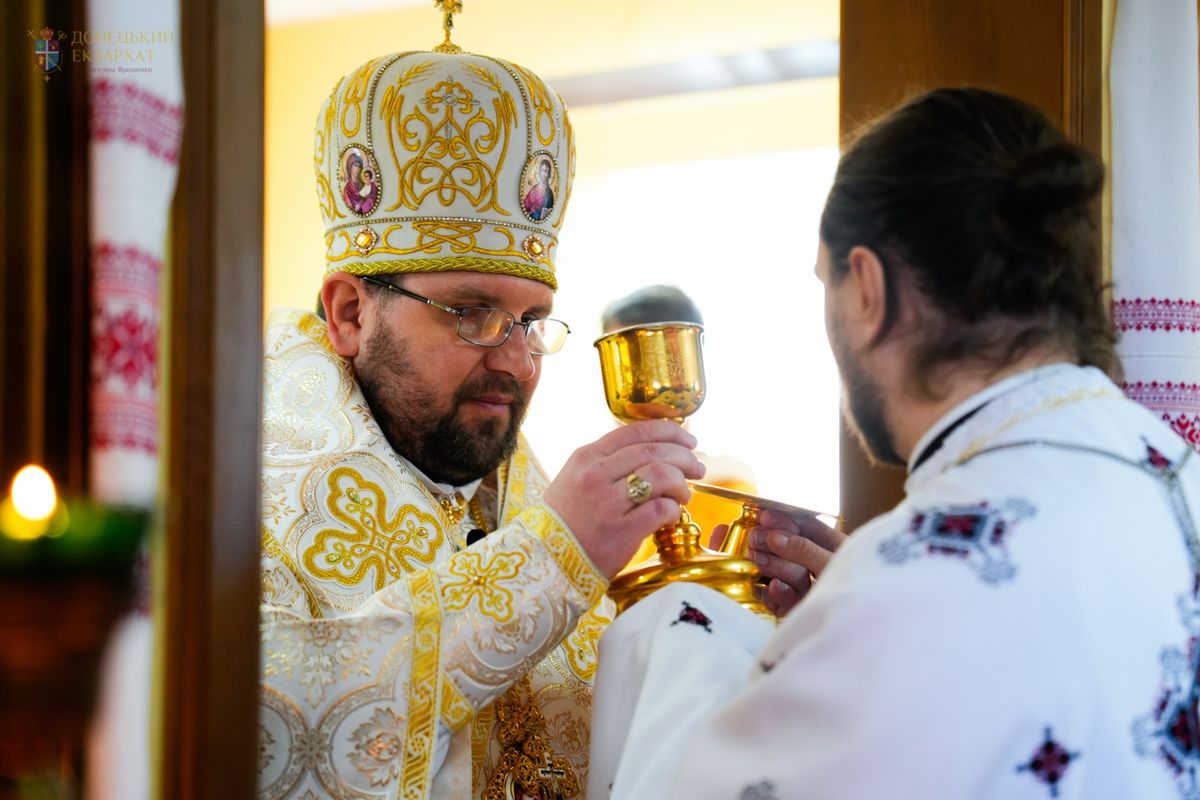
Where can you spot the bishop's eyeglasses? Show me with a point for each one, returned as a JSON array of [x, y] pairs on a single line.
[[490, 327]]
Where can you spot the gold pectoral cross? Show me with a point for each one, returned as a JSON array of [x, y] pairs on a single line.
[[522, 731], [550, 775]]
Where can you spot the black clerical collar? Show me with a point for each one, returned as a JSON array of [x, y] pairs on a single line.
[[936, 443]]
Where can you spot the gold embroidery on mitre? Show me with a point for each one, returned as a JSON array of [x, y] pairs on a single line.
[[494, 266], [354, 92], [434, 237], [389, 546], [543, 107], [483, 583], [325, 196], [449, 133]]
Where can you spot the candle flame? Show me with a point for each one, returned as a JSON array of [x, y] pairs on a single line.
[[33, 495]]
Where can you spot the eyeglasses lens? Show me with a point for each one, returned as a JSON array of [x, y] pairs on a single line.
[[546, 336], [490, 327], [486, 326]]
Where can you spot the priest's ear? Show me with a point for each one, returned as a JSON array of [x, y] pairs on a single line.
[[342, 296], [870, 307]]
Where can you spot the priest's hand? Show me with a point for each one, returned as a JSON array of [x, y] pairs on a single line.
[[592, 493], [792, 552]]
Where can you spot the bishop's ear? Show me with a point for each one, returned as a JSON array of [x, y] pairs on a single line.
[[869, 288], [342, 296]]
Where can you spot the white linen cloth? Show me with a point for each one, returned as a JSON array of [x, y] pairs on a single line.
[[1155, 174], [131, 51], [1022, 625]]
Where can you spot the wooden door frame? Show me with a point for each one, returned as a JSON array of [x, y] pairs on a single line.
[[884, 60], [209, 679]]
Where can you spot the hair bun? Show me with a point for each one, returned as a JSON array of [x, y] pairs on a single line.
[[1059, 177]]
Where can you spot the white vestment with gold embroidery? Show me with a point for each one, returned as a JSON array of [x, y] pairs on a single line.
[[385, 639]]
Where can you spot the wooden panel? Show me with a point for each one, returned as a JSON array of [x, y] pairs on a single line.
[[44, 370], [892, 50], [1045, 52], [65, 437], [21, 147], [209, 742]]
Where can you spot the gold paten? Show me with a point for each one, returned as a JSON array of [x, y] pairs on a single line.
[[737, 541], [657, 372]]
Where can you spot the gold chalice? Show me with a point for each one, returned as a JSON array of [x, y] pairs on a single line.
[[657, 372]]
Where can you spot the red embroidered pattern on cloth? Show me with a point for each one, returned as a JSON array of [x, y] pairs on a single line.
[[1155, 314], [1186, 426], [125, 346], [128, 272], [1177, 404], [125, 325], [127, 112], [126, 424], [1163, 396]]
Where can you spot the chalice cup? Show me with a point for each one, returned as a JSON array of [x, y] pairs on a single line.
[[657, 372]]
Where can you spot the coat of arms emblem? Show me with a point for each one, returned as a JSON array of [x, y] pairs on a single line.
[[47, 52]]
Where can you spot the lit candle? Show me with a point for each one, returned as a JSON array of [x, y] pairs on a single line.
[[31, 504]]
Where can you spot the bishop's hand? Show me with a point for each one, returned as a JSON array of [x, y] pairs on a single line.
[[608, 512]]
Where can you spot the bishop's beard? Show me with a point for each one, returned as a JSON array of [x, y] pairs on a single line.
[[443, 446]]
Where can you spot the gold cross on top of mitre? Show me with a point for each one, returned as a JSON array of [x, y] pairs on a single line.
[[449, 8]]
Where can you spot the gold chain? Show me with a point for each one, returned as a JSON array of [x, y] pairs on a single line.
[[528, 766], [477, 515], [452, 505]]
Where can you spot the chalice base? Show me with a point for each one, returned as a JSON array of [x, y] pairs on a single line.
[[681, 557]]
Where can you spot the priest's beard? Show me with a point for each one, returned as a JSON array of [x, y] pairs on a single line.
[[862, 403], [444, 447]]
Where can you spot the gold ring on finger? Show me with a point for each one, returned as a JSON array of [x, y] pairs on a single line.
[[637, 489]]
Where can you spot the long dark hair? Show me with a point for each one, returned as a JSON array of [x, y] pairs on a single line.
[[978, 202]]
